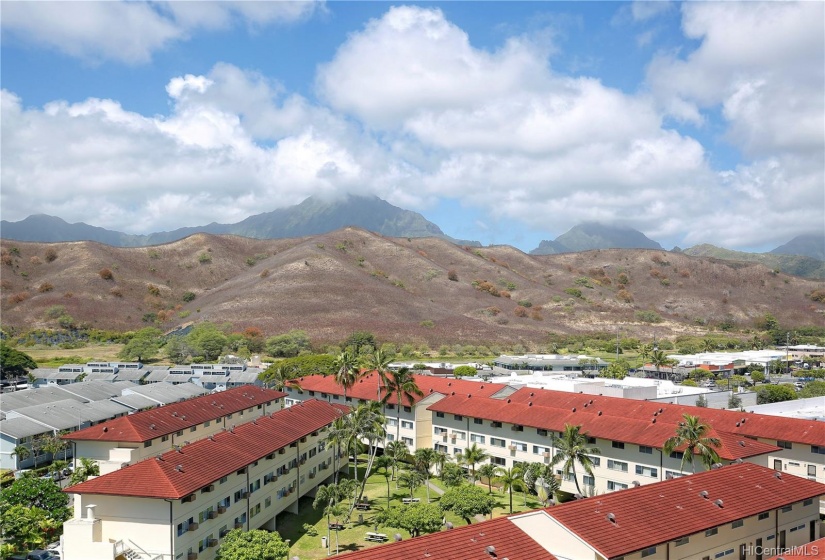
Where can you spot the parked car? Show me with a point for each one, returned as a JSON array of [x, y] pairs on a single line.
[[35, 555]]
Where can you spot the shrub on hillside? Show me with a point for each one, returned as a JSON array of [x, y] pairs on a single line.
[[452, 275], [50, 255], [624, 295], [520, 311], [818, 295], [623, 279], [18, 297], [648, 317], [105, 273], [188, 296], [116, 292], [45, 287], [153, 290]]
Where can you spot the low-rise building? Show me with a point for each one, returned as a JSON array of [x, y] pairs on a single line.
[[180, 504], [736, 511], [529, 363], [129, 439]]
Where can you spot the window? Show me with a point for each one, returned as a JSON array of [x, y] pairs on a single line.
[[223, 479], [268, 502], [394, 422], [615, 485], [645, 449], [349, 399], [164, 438], [460, 435], [408, 441], [538, 450], [179, 433], [207, 423], [738, 523], [406, 424], [818, 449], [438, 431], [312, 393], [812, 470], [786, 509], [711, 532], [589, 480], [147, 443], [517, 428], [677, 455], [784, 444], [457, 451], [519, 446], [617, 444], [495, 424], [192, 429], [808, 502], [458, 417], [617, 465], [477, 421], [439, 415], [764, 515], [725, 553], [497, 442], [440, 448], [476, 438], [597, 461], [335, 397], [498, 461], [541, 431], [390, 437], [407, 409], [682, 541], [648, 552], [647, 471]]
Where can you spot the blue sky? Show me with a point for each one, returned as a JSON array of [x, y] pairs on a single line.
[[503, 122]]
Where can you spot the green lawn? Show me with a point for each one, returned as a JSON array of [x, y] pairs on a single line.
[[351, 538]]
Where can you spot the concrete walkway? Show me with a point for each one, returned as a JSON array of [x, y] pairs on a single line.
[[435, 488]]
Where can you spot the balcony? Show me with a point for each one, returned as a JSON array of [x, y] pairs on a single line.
[[221, 509], [212, 543], [212, 514], [193, 527]]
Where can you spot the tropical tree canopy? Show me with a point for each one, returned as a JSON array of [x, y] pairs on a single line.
[[252, 545], [14, 363], [467, 501], [571, 448], [416, 518], [691, 435]]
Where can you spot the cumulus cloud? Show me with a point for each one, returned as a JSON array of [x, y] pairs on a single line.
[[411, 111], [129, 31]]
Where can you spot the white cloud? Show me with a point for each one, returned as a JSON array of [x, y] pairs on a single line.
[[647, 9], [130, 31]]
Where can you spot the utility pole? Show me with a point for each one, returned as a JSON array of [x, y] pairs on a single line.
[[617, 343], [787, 352]]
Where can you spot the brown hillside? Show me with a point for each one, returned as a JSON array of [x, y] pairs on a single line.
[[350, 279]]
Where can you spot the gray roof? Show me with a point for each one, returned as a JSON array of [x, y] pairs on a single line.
[[135, 401], [179, 377], [100, 377], [214, 378], [69, 414], [243, 377], [21, 427], [156, 376], [165, 393], [132, 374], [97, 390], [32, 397], [43, 373]]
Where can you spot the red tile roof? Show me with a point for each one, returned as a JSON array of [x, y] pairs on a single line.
[[653, 514], [811, 551], [366, 388], [171, 418], [611, 425], [469, 542], [207, 460], [798, 430]]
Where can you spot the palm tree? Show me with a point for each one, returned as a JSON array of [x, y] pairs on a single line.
[[21, 452], [346, 374], [708, 345], [411, 479], [424, 459], [339, 436], [488, 471], [385, 464], [330, 498], [691, 435], [441, 459], [472, 455], [37, 445], [571, 448], [644, 351], [547, 485], [510, 478], [87, 468], [403, 384], [658, 358], [280, 377], [379, 361], [397, 451], [369, 423]]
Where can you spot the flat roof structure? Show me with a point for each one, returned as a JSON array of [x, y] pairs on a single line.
[[69, 414]]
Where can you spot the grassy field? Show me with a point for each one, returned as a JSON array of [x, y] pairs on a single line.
[[53, 356], [351, 538]]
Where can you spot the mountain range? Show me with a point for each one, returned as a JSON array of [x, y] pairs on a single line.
[[802, 256], [403, 289]]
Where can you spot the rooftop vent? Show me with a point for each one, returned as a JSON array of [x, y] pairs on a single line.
[[449, 524], [183, 417], [738, 424], [611, 518], [778, 475], [530, 403], [591, 401], [212, 438], [508, 400], [653, 421], [179, 468], [716, 465], [531, 393], [742, 443], [635, 483], [151, 426], [574, 409], [600, 413], [397, 537], [491, 550], [719, 503], [738, 461], [178, 449], [105, 429], [469, 395], [704, 494], [174, 413]]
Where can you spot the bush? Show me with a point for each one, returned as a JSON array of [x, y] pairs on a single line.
[[18, 297], [462, 371], [525, 303], [624, 295], [188, 296], [45, 287], [492, 311], [648, 317], [520, 311], [575, 292], [105, 273], [50, 255], [204, 258], [427, 324], [153, 290], [264, 273], [117, 292], [55, 311], [536, 315], [818, 295]]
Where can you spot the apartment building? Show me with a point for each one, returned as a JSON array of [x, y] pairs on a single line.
[[129, 439], [415, 419], [737, 511], [181, 503], [630, 448]]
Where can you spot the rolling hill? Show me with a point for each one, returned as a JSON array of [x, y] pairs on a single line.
[[591, 235], [797, 265], [399, 288]]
